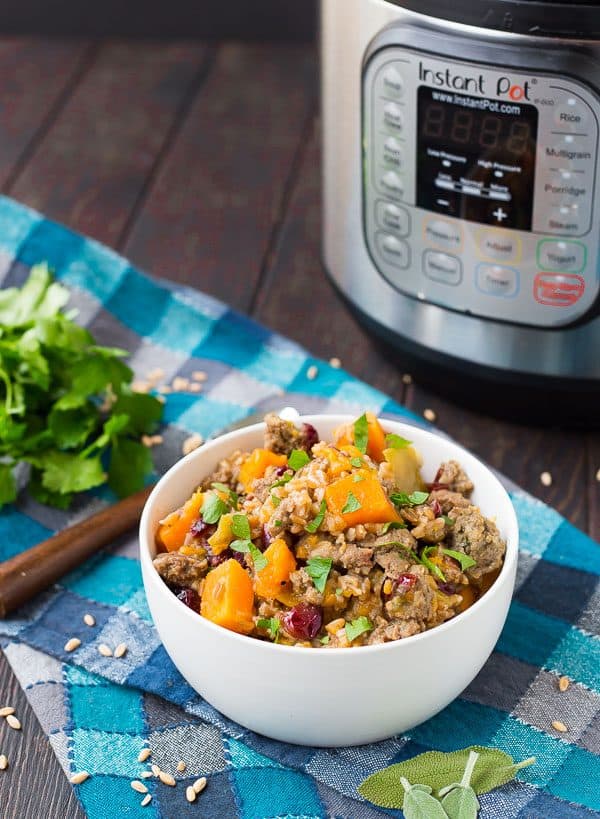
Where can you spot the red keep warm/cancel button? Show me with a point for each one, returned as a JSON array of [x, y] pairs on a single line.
[[558, 289]]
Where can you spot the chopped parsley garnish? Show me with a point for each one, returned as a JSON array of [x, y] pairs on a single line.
[[466, 561], [396, 441], [318, 568], [298, 458], [233, 496], [339, 592], [357, 627], [352, 504], [278, 523], [429, 564], [356, 478], [247, 547], [271, 625], [282, 481], [213, 507], [314, 524], [414, 499], [325, 640], [240, 526], [361, 433], [392, 524], [357, 462], [275, 500], [448, 521]]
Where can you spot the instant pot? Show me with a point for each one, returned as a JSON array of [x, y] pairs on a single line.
[[462, 191]]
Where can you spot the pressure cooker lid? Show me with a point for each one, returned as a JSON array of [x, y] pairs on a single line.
[[578, 20]]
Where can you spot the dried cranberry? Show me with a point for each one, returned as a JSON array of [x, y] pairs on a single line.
[[266, 537], [400, 585], [436, 508], [190, 598], [303, 621], [310, 435], [446, 588], [226, 554], [281, 470], [202, 531]]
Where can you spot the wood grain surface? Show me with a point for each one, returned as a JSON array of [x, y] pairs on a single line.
[[201, 163]]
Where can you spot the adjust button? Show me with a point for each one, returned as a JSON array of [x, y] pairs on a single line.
[[497, 245], [496, 280], [393, 250], [443, 234], [392, 217], [557, 255], [441, 267]]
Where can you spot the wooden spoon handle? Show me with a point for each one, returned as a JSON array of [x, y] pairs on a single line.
[[33, 570]]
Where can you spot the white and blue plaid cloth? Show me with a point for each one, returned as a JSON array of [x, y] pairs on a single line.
[[99, 713]]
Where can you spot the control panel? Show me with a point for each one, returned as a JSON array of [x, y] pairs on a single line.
[[479, 186]]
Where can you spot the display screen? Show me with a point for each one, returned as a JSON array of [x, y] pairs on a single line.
[[476, 158]]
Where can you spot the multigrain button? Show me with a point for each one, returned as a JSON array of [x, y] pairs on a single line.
[[393, 250], [393, 84], [393, 116], [392, 184], [557, 255], [443, 234], [392, 217], [502, 246], [441, 267], [393, 153], [497, 280]]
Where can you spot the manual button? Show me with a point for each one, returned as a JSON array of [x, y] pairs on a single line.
[[557, 255], [502, 246], [496, 280], [443, 234], [441, 267], [393, 250]]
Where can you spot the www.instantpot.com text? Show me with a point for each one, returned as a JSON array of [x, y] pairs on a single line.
[[495, 106]]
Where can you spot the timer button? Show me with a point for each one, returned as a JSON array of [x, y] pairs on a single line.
[[557, 255], [393, 250], [442, 268], [393, 84], [392, 184], [443, 234], [502, 246], [496, 280], [392, 217], [393, 116]]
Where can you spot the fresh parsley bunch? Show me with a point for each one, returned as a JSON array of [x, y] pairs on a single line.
[[66, 404]]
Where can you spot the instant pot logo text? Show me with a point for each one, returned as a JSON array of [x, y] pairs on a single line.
[[502, 87]]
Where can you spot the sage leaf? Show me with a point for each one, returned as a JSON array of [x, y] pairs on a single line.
[[436, 769], [419, 803], [461, 803]]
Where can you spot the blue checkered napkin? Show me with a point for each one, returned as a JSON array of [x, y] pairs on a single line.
[[99, 713]]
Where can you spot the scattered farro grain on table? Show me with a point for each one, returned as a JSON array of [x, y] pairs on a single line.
[[155, 770], [199, 375], [559, 726], [335, 363], [89, 620], [72, 644], [429, 415], [144, 754], [146, 800], [79, 777], [167, 779], [190, 794], [407, 378], [312, 372], [105, 650], [546, 479], [191, 443], [146, 775], [120, 650], [199, 784], [3, 762], [13, 722], [181, 766], [138, 786], [563, 683], [6, 710]]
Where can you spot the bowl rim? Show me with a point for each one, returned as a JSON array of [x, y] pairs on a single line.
[[150, 575]]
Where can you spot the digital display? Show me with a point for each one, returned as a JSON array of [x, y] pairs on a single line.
[[476, 158]]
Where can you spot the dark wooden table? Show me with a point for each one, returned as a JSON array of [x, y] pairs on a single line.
[[201, 164]]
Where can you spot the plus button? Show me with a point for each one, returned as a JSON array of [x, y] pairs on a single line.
[[500, 214]]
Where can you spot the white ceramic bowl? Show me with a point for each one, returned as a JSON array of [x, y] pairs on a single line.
[[328, 697]]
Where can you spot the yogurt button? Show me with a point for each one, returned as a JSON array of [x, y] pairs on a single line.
[[561, 255]]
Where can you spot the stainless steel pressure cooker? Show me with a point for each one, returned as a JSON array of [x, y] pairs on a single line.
[[462, 190]]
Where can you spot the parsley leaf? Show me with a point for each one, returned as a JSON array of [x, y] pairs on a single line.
[[130, 462], [392, 524], [324, 640], [233, 496], [314, 524], [275, 500], [271, 625], [429, 564], [297, 459], [213, 507], [356, 478], [361, 433], [318, 568], [8, 486], [65, 472], [282, 481], [396, 441], [247, 547], [352, 504], [414, 499], [357, 627], [357, 462], [466, 561], [240, 526], [448, 521]]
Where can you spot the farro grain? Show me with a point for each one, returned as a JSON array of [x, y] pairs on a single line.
[[72, 644], [144, 754], [79, 777], [105, 650], [559, 726], [138, 786], [6, 710], [167, 779], [200, 784], [146, 800], [563, 683], [190, 794], [89, 619], [181, 766], [120, 650], [3, 762], [13, 722]]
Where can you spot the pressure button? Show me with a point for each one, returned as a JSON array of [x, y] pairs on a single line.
[[443, 234]]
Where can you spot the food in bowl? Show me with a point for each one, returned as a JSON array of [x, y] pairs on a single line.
[[334, 544]]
